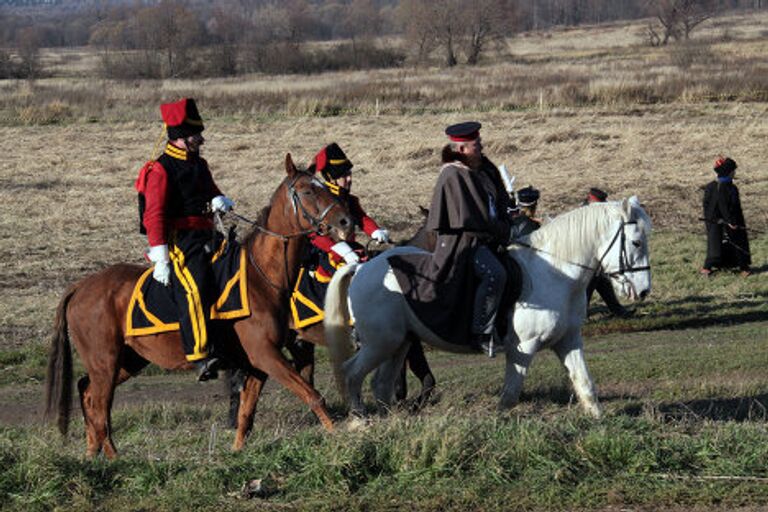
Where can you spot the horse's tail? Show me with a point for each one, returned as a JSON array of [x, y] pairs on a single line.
[[336, 323], [58, 387]]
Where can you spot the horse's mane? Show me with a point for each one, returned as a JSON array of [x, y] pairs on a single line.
[[567, 236]]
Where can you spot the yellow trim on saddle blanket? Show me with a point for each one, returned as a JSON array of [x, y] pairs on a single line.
[[300, 297], [238, 280], [137, 300]]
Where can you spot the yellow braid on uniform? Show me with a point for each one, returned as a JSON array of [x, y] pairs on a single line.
[[156, 150]]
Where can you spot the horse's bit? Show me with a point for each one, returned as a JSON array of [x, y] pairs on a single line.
[[624, 266]]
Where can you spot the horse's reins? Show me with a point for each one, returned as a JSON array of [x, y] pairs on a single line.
[[624, 266], [726, 239], [316, 222]]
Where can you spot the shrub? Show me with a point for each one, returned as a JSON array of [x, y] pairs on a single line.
[[690, 53]]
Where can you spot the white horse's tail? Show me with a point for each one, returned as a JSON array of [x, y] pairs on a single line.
[[336, 323]]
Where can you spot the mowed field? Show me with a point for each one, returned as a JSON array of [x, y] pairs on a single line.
[[683, 381]]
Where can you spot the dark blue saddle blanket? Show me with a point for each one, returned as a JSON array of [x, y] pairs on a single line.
[[152, 309]]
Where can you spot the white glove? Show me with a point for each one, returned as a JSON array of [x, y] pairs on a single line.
[[345, 251], [381, 236], [162, 272], [221, 204], [158, 254]]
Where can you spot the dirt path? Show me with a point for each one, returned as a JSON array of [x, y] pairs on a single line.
[[23, 404]]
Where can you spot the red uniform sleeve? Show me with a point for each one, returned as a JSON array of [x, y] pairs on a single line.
[[322, 242], [155, 189], [367, 224]]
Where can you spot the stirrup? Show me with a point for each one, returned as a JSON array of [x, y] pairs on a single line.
[[208, 369], [488, 344]]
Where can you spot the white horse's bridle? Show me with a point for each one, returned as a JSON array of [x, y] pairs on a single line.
[[624, 266]]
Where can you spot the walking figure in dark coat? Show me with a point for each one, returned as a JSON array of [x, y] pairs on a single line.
[[727, 242]]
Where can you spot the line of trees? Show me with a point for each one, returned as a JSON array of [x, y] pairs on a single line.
[[167, 38]]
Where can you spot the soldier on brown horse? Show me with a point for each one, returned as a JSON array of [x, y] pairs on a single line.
[[92, 314]]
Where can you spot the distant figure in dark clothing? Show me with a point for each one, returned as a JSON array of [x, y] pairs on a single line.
[[727, 242], [602, 283], [526, 222]]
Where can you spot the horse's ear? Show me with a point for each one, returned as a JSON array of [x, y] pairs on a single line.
[[290, 168], [632, 203], [626, 207], [424, 211]]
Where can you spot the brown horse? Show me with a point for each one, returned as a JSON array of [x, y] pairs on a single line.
[[92, 314], [301, 343]]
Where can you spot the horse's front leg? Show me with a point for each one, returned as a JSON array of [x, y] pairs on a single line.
[[303, 356], [519, 356], [571, 353], [260, 341]]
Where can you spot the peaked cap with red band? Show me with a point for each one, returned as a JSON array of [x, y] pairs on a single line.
[[332, 163], [596, 195], [463, 132], [181, 118]]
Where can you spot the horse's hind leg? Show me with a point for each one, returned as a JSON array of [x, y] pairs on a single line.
[[249, 398], [571, 354], [370, 356], [419, 366], [96, 394], [401, 385], [383, 382]]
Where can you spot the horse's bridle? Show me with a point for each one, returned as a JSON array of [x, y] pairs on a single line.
[[317, 223], [293, 195], [624, 266]]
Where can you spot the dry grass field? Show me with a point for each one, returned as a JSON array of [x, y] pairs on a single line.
[[564, 110], [68, 205]]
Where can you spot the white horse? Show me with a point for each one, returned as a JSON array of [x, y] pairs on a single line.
[[558, 261]]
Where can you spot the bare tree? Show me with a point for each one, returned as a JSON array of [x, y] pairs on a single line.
[[29, 42], [693, 13], [415, 19], [486, 21], [453, 25], [434, 23], [678, 18], [170, 28]]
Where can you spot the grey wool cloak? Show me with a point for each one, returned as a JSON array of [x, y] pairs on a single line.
[[468, 208]]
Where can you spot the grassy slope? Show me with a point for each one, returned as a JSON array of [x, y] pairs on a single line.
[[685, 425]]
